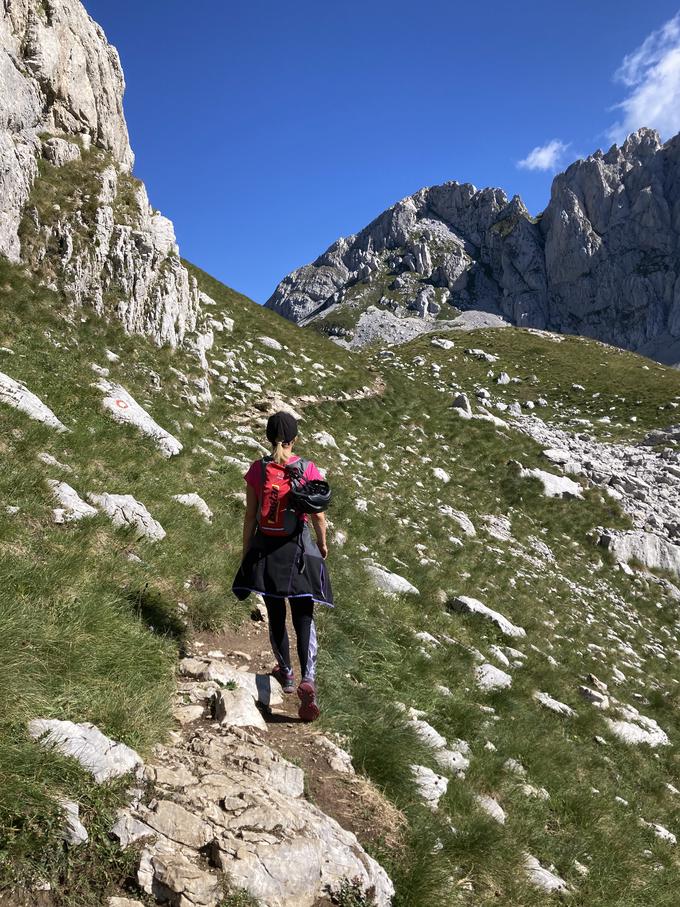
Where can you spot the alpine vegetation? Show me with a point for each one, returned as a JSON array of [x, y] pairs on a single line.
[[495, 713]]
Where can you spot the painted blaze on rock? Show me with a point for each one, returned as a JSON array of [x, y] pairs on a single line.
[[122, 407]]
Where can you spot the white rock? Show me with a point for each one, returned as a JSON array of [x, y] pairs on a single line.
[[534, 793], [236, 708], [489, 678], [554, 486], [324, 439], [452, 761], [125, 512], [634, 728], [467, 605], [261, 687], [195, 500], [660, 831], [480, 354], [545, 879], [386, 581], [49, 460], [462, 404], [178, 824], [499, 655], [427, 638], [270, 343], [102, 757], [123, 408], [18, 396], [73, 507], [74, 832], [556, 455], [430, 785], [598, 699], [442, 343], [441, 474], [648, 548], [338, 759], [128, 830], [267, 836], [462, 519], [554, 705], [425, 732], [492, 808]]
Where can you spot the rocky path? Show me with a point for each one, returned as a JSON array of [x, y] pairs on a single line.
[[246, 795]]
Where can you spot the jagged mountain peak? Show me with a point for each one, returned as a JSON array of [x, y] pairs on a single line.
[[601, 260]]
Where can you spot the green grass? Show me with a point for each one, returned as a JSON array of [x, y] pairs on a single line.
[[92, 635]]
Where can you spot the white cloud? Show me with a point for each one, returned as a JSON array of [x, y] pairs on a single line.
[[544, 157], [652, 73]]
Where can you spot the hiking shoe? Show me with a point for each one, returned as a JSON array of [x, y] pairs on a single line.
[[309, 710], [285, 678]]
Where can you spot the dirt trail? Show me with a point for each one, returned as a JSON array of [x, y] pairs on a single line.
[[349, 799]]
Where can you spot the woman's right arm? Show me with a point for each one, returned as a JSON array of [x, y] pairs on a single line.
[[250, 518]]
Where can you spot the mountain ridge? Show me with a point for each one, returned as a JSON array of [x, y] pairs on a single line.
[[602, 259]]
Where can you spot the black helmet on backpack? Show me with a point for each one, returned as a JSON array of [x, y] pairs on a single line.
[[313, 496]]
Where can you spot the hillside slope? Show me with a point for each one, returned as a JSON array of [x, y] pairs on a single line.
[[602, 260], [501, 666], [424, 493]]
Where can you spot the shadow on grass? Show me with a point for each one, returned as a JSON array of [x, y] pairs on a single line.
[[158, 614]]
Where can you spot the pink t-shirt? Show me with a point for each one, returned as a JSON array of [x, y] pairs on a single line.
[[254, 475]]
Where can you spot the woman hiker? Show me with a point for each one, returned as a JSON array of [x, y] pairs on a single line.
[[280, 559]]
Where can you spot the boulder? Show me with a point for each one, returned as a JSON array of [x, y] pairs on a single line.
[[431, 786], [554, 705], [127, 513], [72, 508], [490, 678], [540, 877], [648, 548], [554, 486], [122, 407], [388, 582], [492, 808], [633, 728], [464, 604], [18, 396], [98, 754], [237, 708], [196, 501]]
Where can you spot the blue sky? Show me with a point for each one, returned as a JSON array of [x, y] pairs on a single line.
[[266, 130]]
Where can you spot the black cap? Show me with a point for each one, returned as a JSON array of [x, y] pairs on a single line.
[[281, 427]]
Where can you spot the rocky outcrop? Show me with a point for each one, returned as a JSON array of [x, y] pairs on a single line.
[[69, 207], [602, 260]]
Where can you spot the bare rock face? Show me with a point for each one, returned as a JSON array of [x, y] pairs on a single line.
[[58, 74], [98, 236], [601, 260], [244, 805]]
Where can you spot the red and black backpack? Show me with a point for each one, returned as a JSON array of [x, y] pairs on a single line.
[[276, 515]]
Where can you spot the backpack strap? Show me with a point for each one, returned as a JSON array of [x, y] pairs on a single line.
[[263, 467]]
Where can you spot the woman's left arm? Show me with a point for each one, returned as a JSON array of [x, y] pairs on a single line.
[[250, 518]]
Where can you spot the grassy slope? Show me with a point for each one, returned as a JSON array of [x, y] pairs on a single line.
[[93, 635]]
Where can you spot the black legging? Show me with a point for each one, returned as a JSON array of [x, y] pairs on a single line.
[[302, 611]]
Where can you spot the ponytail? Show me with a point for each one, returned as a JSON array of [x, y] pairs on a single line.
[[278, 454]]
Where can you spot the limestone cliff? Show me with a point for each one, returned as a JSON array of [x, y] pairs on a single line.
[[603, 260], [69, 207]]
